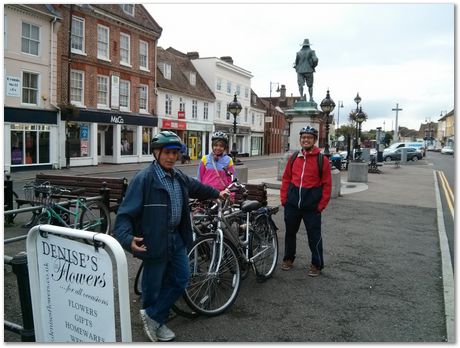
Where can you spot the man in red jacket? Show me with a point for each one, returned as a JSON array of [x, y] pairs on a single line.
[[305, 193]]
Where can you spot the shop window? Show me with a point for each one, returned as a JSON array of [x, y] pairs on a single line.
[[79, 140], [128, 135], [147, 133], [30, 144]]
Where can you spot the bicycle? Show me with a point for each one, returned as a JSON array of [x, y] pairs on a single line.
[[78, 213], [220, 258]]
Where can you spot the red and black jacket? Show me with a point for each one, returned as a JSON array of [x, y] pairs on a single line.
[[302, 185]]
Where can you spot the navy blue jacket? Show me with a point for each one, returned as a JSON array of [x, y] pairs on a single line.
[[145, 210]]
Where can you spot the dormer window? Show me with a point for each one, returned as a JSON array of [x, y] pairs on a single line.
[[128, 9], [165, 69], [193, 78]]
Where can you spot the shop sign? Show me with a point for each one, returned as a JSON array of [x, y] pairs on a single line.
[[181, 114], [13, 86], [169, 124], [77, 296], [84, 132], [84, 147], [117, 119]]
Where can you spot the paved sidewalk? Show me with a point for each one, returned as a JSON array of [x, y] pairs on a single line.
[[382, 280]]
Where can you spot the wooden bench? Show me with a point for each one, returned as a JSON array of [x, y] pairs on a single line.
[[91, 185]]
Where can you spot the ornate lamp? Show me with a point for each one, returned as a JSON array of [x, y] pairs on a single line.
[[327, 105], [234, 108]]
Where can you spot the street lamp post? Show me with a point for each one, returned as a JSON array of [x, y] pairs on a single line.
[[234, 108], [360, 118], [269, 131], [327, 105], [353, 115]]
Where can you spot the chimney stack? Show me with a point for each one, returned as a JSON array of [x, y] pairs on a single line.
[[227, 59], [193, 55], [283, 93]]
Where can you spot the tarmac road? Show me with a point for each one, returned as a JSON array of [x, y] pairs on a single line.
[[382, 281]]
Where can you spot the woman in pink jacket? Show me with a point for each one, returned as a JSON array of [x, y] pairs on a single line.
[[214, 167]]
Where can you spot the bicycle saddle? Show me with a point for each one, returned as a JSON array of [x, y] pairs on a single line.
[[248, 206]]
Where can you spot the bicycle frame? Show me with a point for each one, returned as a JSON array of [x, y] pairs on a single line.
[[51, 211]]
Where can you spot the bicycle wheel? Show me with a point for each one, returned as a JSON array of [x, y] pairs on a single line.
[[263, 246], [209, 292], [95, 218]]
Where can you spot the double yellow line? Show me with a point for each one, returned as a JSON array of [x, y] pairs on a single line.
[[447, 191]]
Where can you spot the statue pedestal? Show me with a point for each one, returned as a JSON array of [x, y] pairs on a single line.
[[302, 114], [357, 171]]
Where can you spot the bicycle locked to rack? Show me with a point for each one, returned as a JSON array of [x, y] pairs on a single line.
[[238, 239], [80, 213]]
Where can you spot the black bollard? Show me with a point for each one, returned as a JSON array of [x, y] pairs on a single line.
[[19, 264], [8, 196], [104, 191]]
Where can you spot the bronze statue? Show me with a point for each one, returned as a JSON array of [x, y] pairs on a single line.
[[305, 64]]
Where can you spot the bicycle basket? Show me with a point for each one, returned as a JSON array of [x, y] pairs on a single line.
[[39, 193]]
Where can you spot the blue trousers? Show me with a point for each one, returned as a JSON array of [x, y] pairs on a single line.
[[312, 221], [163, 282]]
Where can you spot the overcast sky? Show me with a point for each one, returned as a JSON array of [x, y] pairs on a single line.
[[389, 53]]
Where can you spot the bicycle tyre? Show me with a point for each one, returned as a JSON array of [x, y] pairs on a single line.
[[180, 307], [263, 239], [212, 294], [93, 218]]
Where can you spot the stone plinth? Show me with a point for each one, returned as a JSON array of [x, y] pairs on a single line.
[[357, 172], [336, 182], [241, 172], [302, 114], [282, 164]]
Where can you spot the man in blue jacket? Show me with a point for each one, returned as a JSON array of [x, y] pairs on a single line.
[[153, 223]]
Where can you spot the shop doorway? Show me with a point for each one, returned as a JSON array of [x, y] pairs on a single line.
[[100, 145], [193, 147]]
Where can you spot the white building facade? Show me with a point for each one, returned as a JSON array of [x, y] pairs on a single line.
[[227, 80], [31, 130], [185, 102]]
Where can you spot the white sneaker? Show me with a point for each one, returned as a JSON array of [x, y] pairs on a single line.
[[165, 334], [150, 326]]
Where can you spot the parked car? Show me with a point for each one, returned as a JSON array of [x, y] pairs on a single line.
[[395, 155], [447, 150]]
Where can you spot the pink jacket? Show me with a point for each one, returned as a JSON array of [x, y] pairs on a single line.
[[207, 173]]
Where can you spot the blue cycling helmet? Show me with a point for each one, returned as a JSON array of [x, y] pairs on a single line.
[[166, 140], [309, 130]]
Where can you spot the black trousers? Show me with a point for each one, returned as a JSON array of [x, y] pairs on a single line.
[[312, 221]]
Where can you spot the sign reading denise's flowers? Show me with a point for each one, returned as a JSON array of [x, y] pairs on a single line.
[[76, 287]]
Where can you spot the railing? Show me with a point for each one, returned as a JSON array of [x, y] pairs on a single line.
[[19, 265]]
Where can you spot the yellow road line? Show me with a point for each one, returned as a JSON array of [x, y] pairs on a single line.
[[447, 192]]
